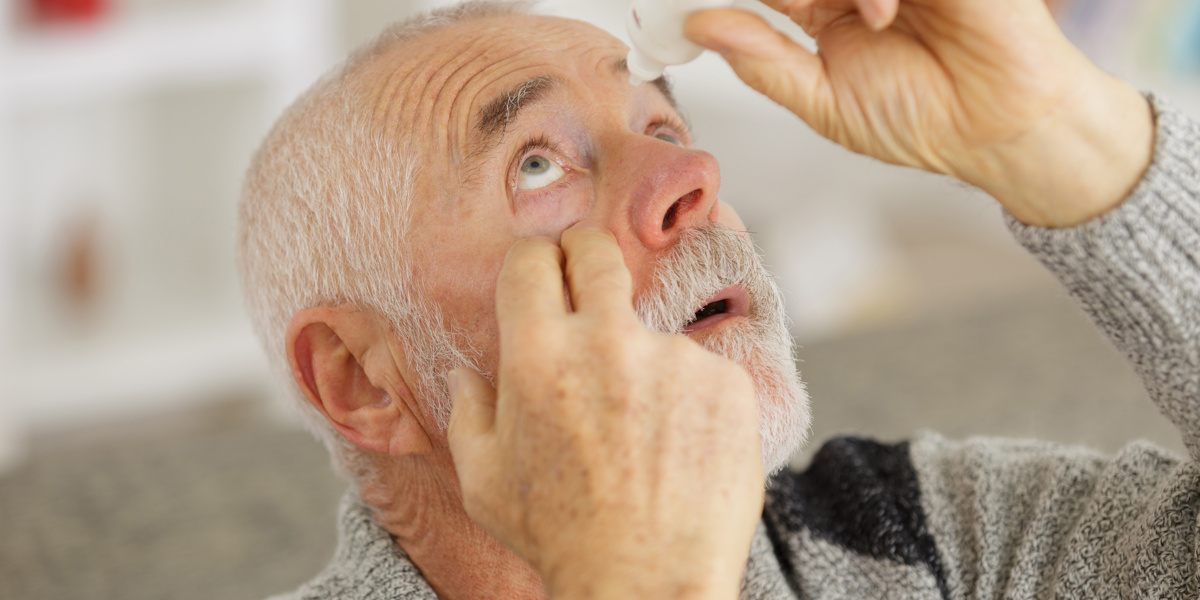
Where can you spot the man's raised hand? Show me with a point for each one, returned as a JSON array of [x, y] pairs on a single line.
[[989, 92], [619, 462]]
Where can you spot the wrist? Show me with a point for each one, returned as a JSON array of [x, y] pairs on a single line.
[[648, 579], [1078, 162], [616, 590]]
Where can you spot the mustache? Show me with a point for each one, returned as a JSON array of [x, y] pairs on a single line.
[[704, 261]]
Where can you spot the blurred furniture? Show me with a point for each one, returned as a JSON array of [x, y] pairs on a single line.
[[122, 144]]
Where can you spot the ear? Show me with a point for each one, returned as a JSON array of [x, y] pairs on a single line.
[[344, 365]]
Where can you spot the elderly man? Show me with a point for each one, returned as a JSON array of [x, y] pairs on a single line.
[[484, 192]]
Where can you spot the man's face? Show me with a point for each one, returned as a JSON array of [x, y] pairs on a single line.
[[525, 126]]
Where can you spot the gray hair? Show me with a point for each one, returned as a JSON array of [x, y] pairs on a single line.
[[324, 217]]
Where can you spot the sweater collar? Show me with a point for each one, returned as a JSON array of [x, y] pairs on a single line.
[[366, 548]]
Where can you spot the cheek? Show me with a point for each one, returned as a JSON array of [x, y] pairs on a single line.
[[551, 211], [467, 298], [458, 270]]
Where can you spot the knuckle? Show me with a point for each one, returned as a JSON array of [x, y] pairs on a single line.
[[613, 275], [614, 338], [600, 272], [535, 333]]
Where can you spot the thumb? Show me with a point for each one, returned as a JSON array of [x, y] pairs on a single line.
[[766, 59], [473, 415]]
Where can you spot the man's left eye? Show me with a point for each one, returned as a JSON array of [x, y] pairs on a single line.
[[670, 139], [537, 171]]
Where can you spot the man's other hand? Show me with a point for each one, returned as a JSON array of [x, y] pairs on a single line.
[[989, 92], [619, 462]]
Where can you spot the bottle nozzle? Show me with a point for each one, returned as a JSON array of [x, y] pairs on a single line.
[[642, 67]]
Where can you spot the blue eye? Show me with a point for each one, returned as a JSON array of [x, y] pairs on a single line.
[[537, 171], [668, 138]]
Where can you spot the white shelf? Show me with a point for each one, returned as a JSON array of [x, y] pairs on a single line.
[[127, 55], [285, 44]]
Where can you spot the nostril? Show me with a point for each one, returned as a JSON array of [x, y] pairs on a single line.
[[683, 203], [669, 218]]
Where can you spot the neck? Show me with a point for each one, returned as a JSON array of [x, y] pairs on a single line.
[[419, 502]]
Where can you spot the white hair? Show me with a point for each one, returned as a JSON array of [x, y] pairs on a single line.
[[324, 217]]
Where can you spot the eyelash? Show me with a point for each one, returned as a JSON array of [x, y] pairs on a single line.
[[540, 142], [675, 124]]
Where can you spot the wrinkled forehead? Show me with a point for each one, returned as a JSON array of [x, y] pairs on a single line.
[[428, 89]]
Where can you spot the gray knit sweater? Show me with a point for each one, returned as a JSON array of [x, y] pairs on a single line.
[[983, 518]]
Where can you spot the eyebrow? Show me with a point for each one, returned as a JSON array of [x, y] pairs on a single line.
[[493, 119], [495, 116]]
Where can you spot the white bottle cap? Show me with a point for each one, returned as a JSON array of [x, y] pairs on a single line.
[[642, 67]]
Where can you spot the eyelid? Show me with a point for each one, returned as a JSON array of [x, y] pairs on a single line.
[[535, 143], [675, 124], [538, 142]]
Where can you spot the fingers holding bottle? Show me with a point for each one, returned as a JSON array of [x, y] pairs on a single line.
[[765, 59]]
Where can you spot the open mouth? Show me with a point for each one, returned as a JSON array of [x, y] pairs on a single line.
[[726, 304]]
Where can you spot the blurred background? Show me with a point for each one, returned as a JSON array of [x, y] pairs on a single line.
[[128, 369]]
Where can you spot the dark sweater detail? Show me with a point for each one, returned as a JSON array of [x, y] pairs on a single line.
[[934, 519], [863, 496]]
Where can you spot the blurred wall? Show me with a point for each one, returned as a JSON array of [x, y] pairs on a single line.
[[123, 140]]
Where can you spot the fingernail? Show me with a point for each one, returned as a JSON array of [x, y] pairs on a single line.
[[453, 381], [587, 226]]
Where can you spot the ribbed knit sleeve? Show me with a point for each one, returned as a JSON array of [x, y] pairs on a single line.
[[1136, 271]]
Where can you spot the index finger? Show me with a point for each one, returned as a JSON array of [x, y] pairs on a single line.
[[596, 274], [530, 284]]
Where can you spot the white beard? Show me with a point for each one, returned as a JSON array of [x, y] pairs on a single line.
[[704, 262]]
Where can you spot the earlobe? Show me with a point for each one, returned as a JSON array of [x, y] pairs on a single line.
[[341, 361]]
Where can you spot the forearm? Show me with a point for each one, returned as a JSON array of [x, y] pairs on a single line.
[[1136, 271]]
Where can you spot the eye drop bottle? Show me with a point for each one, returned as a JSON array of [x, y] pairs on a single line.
[[656, 34]]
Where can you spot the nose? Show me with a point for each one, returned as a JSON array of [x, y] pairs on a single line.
[[671, 189]]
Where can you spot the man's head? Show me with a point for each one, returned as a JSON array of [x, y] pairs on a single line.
[[378, 212]]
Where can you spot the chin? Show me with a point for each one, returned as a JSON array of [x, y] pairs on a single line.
[[783, 405]]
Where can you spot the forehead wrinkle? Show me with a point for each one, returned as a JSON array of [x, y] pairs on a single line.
[[412, 80], [453, 87], [515, 61], [413, 92], [396, 104], [408, 103]]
